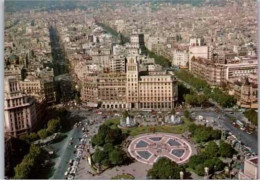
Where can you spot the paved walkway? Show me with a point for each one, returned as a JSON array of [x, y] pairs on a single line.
[[137, 169], [148, 148]]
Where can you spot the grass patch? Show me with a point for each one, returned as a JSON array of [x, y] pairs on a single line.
[[112, 123], [175, 129], [123, 177]]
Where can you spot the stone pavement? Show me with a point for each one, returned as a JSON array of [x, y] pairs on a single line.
[[137, 169]]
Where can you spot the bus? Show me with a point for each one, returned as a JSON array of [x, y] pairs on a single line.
[[240, 124]]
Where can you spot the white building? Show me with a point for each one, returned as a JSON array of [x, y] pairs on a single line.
[[19, 110], [180, 58], [198, 52]]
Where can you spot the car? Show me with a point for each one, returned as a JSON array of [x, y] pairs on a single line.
[[66, 173], [71, 161], [71, 177]]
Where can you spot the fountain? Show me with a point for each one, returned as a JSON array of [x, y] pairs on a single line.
[[173, 119]]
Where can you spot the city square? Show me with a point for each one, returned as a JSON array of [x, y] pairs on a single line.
[[148, 148]]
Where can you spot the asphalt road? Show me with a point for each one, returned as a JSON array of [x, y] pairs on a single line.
[[225, 124]]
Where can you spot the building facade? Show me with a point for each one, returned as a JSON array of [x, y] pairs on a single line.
[[19, 109], [250, 169], [138, 88]]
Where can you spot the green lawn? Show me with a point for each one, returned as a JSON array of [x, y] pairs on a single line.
[[175, 129], [123, 177]]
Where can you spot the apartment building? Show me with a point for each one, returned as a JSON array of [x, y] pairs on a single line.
[[245, 91], [19, 109], [42, 89], [117, 64], [107, 90], [216, 73], [180, 58]]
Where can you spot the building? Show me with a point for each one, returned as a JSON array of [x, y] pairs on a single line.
[[19, 109], [137, 40], [118, 64], [106, 90], [39, 88], [180, 58], [216, 73], [138, 88], [250, 169], [198, 52], [149, 90], [245, 91]]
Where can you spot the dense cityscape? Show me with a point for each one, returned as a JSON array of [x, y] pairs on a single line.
[[131, 89]]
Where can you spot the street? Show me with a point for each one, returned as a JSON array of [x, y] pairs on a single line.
[[225, 124]]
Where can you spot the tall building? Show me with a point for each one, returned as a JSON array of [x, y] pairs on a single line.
[[19, 109], [132, 83], [149, 90]]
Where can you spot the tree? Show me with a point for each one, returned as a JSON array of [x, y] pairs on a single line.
[[31, 163], [43, 133], [22, 171], [200, 170], [187, 114], [211, 149], [251, 115], [190, 99], [53, 125], [164, 168], [99, 156], [116, 157], [225, 149], [216, 134], [114, 136], [196, 160], [16, 149], [97, 140], [202, 100], [30, 138], [201, 135], [108, 147], [192, 128]]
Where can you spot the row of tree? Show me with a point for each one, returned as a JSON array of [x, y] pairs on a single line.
[[200, 85], [252, 116], [196, 100], [210, 157], [31, 164], [204, 134], [164, 62], [53, 127]]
